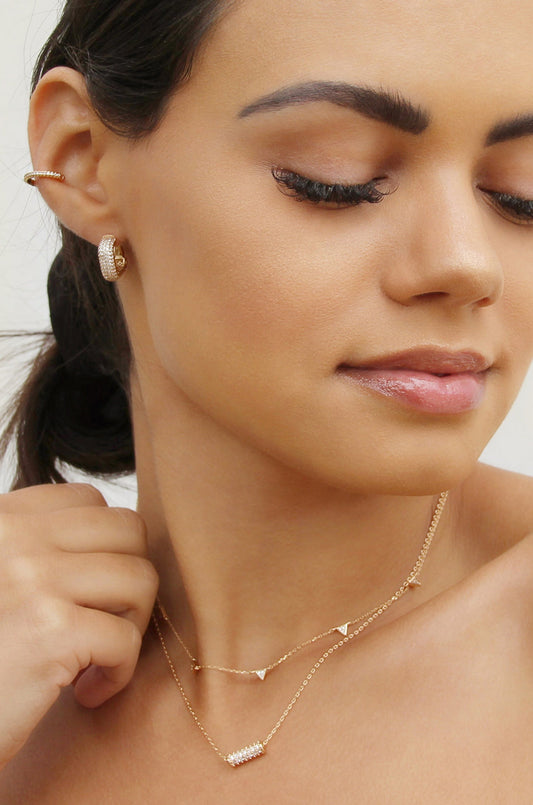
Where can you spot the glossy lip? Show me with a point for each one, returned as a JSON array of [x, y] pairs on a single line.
[[432, 360], [427, 379]]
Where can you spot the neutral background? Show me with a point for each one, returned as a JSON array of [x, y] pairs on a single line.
[[28, 238]]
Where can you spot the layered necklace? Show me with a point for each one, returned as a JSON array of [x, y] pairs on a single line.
[[348, 630]]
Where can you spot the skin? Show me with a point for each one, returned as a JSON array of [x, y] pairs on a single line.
[[278, 498]]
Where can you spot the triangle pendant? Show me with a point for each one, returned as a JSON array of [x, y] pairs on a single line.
[[261, 674], [343, 629]]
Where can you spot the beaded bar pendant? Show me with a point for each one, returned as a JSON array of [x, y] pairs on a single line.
[[246, 754]]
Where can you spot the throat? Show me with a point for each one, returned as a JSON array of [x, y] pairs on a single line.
[[259, 649]]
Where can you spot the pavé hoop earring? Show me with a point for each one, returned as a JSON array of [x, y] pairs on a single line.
[[32, 177], [111, 257]]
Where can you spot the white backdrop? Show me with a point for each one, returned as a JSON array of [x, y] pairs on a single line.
[[28, 238]]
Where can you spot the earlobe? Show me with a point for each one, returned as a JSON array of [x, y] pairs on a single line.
[[66, 136]]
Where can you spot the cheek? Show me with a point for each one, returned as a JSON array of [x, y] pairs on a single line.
[[518, 309], [519, 313], [239, 283]]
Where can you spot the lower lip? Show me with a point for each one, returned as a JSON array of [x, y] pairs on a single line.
[[451, 394]]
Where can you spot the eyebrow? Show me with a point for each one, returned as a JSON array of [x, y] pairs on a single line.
[[521, 126], [377, 104]]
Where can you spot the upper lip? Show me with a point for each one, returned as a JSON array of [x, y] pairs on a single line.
[[433, 360]]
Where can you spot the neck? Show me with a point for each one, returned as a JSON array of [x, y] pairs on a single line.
[[253, 557]]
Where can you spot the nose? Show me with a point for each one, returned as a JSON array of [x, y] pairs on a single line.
[[444, 250]]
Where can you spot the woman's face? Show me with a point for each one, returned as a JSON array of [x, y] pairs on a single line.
[[259, 292]]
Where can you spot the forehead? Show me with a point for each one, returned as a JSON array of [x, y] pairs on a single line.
[[437, 52]]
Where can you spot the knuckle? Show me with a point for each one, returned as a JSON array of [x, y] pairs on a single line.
[[88, 494], [25, 572], [150, 575], [14, 501], [145, 578], [134, 637], [134, 524], [49, 618], [13, 530]]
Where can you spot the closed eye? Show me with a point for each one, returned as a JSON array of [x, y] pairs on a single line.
[[339, 195], [517, 209], [336, 195]]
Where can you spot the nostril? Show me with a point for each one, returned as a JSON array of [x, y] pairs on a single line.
[[432, 295]]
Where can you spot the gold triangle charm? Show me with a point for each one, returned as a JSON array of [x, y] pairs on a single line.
[[414, 582], [261, 674], [343, 629]]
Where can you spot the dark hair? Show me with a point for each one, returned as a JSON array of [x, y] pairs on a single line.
[[74, 407]]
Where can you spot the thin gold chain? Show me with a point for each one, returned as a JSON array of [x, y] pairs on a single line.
[[185, 697], [196, 666], [257, 749], [410, 581]]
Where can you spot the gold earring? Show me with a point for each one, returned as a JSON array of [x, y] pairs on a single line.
[[31, 178], [111, 257]]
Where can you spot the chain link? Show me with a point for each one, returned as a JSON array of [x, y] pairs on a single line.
[[196, 666], [185, 697]]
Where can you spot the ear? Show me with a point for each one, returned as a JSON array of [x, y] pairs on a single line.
[[66, 135]]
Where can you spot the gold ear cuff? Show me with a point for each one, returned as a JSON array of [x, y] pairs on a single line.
[[32, 177]]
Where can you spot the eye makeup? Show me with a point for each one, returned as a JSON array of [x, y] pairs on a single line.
[[513, 207], [336, 195]]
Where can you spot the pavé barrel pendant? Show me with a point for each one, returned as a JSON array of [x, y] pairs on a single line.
[[250, 752]]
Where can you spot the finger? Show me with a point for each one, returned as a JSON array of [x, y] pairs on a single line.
[[92, 529], [114, 645], [109, 582], [50, 497]]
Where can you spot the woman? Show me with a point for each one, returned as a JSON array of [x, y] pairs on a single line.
[[319, 215]]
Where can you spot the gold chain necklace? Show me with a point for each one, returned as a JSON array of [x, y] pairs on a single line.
[[262, 672], [411, 581], [258, 748]]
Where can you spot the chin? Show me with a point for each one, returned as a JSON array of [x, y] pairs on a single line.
[[378, 447], [423, 468]]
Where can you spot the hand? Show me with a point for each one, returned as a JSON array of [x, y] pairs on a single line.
[[76, 595]]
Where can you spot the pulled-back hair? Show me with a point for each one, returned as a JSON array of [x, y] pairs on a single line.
[[74, 407]]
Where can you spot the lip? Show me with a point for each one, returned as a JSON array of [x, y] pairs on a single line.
[[428, 379], [433, 360]]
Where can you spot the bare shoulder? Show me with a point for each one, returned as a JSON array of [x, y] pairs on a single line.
[[499, 507]]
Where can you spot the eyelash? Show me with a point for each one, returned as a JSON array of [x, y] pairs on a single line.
[[340, 195], [519, 209]]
